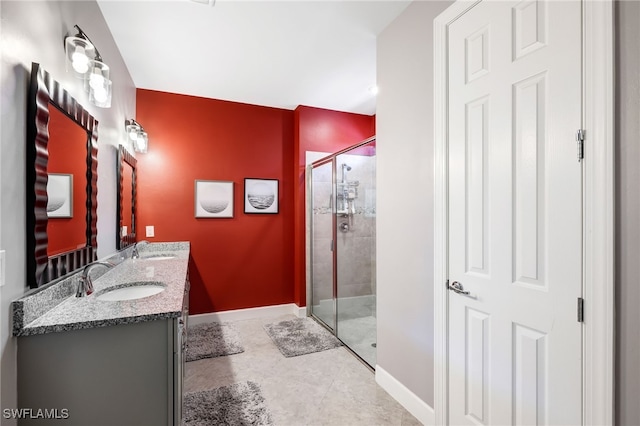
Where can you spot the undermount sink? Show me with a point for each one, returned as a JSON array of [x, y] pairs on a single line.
[[131, 291], [158, 257]]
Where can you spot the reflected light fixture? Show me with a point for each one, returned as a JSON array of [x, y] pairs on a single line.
[[137, 136], [84, 60]]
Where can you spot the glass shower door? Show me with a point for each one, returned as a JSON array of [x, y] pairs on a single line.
[[322, 270], [356, 250]]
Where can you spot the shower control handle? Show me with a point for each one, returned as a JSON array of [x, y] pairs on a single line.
[[343, 227]]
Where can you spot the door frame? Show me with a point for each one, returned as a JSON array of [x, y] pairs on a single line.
[[598, 210]]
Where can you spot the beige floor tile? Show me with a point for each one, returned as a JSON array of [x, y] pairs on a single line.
[[292, 401], [324, 388], [409, 420]]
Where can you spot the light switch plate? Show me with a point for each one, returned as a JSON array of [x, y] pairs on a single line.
[[151, 231], [2, 267]]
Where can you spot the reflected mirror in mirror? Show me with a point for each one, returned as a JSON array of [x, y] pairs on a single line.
[[67, 184], [127, 205], [126, 221]]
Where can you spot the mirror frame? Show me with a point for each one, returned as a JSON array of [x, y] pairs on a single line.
[[124, 241], [42, 269]]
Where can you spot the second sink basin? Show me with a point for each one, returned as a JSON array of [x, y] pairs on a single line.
[[131, 291], [158, 257]]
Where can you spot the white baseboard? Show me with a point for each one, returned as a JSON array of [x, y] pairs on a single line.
[[301, 312], [409, 400], [249, 313]]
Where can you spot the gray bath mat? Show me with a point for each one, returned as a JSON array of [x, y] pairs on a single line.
[[212, 340], [238, 404], [300, 336]]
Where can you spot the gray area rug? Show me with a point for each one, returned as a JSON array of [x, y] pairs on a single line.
[[212, 340], [237, 404], [300, 336]]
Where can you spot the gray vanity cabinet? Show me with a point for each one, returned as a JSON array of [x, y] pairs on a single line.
[[128, 374]]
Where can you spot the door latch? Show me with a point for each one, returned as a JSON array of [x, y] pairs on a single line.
[[458, 288]]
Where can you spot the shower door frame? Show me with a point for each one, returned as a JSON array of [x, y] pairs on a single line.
[[334, 256], [331, 158]]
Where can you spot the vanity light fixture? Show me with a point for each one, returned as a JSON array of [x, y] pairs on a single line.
[[84, 60], [136, 134]]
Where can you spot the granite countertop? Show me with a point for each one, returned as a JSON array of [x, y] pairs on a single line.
[[56, 308]]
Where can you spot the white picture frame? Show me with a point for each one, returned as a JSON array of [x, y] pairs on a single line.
[[60, 195], [213, 199]]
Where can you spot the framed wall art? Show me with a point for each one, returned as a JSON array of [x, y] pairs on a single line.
[[260, 195], [60, 195], [213, 199]]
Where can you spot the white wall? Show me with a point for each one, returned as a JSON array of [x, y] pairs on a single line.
[[404, 127], [34, 32], [405, 217]]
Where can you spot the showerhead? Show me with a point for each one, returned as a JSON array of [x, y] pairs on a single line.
[[346, 167]]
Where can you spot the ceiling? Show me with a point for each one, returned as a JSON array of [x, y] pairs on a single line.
[[273, 53]]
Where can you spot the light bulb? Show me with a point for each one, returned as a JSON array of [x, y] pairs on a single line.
[[132, 130], [79, 60], [100, 94], [96, 80], [141, 142]]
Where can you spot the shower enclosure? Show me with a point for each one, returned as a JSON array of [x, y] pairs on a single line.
[[342, 240]]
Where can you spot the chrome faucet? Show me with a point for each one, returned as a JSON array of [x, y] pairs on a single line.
[[85, 285], [134, 253]]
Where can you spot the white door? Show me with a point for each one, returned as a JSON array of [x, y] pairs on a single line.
[[515, 208]]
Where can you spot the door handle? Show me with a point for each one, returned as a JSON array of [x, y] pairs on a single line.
[[458, 288]]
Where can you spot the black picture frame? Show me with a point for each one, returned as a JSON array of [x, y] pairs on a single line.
[[261, 196]]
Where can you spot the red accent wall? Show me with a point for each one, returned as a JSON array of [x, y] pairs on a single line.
[[323, 131], [249, 260], [241, 262], [68, 155]]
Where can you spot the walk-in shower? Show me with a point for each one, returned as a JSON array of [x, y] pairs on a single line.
[[342, 240]]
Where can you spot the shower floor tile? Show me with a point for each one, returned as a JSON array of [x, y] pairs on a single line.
[[360, 335], [324, 388]]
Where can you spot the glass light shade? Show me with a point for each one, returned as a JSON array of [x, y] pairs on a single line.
[[79, 54], [141, 144], [132, 131], [100, 95], [99, 73]]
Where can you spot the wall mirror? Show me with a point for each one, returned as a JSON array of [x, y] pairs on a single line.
[[62, 151], [126, 221]]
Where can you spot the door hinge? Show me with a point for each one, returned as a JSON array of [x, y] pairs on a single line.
[[580, 309], [580, 140]]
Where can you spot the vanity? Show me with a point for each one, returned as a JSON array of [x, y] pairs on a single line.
[[116, 356]]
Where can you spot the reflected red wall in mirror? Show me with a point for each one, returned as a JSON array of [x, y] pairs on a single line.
[[127, 196], [68, 155]]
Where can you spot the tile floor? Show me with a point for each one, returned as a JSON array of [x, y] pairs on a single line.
[[324, 388]]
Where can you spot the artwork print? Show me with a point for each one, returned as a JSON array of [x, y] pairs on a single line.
[[213, 199], [260, 195], [60, 195]]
